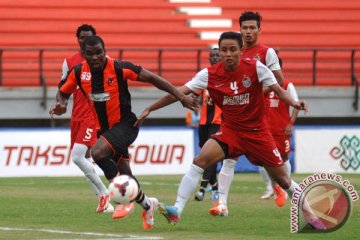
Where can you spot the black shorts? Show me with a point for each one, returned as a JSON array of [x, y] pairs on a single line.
[[205, 131], [121, 136]]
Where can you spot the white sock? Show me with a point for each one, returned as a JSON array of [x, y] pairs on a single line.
[[145, 203], [94, 188], [266, 178], [78, 157], [102, 189], [187, 186], [288, 167], [226, 176], [291, 189], [306, 205]]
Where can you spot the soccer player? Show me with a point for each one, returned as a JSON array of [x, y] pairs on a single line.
[[82, 124], [250, 28], [103, 80], [282, 122], [236, 86], [192, 119], [281, 118], [210, 119]]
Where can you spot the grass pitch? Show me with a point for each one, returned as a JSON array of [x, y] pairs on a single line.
[[64, 208]]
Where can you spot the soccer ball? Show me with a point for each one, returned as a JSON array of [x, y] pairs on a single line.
[[123, 189]]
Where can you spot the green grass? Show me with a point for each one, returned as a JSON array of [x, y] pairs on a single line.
[[29, 207]]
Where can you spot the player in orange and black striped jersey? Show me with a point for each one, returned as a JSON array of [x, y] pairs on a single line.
[[82, 124], [104, 82]]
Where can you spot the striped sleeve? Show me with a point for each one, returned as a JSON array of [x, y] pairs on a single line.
[[69, 84], [130, 70]]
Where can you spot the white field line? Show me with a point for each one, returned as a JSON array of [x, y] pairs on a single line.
[[141, 182], [102, 235], [177, 184]]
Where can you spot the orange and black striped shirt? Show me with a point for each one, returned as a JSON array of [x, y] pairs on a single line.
[[210, 113], [107, 91]]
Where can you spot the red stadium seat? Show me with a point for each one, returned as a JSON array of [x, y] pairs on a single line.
[[156, 24]]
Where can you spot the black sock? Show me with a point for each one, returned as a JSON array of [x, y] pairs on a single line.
[[215, 187]]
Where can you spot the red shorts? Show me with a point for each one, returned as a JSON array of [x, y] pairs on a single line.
[[258, 147], [283, 144], [83, 132]]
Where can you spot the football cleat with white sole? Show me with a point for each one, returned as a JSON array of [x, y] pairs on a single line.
[[171, 213], [110, 209], [103, 203], [220, 210], [267, 194], [148, 215]]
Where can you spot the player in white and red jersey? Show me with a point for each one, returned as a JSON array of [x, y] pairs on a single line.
[[250, 28], [83, 126], [236, 87]]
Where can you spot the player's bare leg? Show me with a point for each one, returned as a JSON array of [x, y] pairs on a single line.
[[268, 184]]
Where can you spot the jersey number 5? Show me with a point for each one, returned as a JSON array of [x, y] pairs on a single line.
[[89, 132]]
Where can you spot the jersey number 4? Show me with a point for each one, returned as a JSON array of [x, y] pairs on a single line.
[[277, 153]]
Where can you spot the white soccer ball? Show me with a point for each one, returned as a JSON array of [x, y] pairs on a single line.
[[123, 189]]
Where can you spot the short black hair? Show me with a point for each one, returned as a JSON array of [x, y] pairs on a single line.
[[92, 41], [86, 28], [248, 15], [232, 35]]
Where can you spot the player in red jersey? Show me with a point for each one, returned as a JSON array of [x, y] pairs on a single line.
[[103, 80], [82, 123], [250, 28], [282, 120], [236, 86]]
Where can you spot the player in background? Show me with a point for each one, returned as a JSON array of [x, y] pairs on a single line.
[[210, 119], [236, 86], [82, 124], [281, 118], [192, 118], [250, 28], [104, 81]]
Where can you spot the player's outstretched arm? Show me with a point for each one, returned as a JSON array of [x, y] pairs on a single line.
[[163, 84], [294, 113], [286, 97], [163, 102], [59, 107]]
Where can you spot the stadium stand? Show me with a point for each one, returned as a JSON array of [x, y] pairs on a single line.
[[143, 31]]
